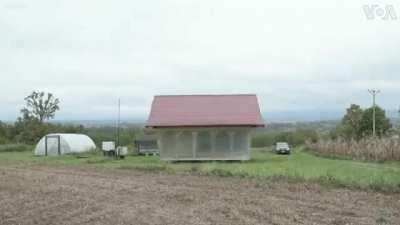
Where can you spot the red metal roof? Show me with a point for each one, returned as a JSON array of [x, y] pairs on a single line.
[[204, 110]]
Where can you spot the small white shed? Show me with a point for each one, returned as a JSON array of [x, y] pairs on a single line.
[[59, 144]]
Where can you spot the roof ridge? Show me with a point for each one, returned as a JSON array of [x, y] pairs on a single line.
[[190, 95]]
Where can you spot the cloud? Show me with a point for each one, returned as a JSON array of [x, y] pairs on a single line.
[[294, 55]]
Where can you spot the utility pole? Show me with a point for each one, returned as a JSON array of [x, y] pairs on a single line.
[[119, 119], [374, 92]]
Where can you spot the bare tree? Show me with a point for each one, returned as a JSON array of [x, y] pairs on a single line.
[[41, 105]]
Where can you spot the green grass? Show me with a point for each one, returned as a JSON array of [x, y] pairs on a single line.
[[264, 165]]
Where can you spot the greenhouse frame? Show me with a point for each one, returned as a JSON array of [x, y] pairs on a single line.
[[204, 127]]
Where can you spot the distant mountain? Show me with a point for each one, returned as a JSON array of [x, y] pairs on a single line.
[[284, 116], [99, 123], [303, 115]]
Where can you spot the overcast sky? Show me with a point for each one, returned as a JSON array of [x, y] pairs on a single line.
[[295, 55]]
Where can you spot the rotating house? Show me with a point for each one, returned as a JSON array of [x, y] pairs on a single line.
[[204, 127]]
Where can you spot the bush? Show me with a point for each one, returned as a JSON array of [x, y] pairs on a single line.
[[15, 148], [3, 140], [294, 138], [263, 140]]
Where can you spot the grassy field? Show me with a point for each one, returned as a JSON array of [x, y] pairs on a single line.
[[299, 166]]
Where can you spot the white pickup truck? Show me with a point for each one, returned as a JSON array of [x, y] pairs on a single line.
[[282, 148]]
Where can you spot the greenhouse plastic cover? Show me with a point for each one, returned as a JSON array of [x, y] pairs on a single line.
[[69, 143]]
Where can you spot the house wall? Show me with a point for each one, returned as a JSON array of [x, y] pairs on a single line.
[[208, 143]]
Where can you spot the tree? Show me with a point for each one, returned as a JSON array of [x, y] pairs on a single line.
[[2, 129], [41, 106], [29, 129], [30, 126], [383, 124], [350, 124], [3, 133]]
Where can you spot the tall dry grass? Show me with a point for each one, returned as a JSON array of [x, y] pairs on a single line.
[[368, 149]]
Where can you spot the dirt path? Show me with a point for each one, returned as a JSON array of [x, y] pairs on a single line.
[[43, 195]]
